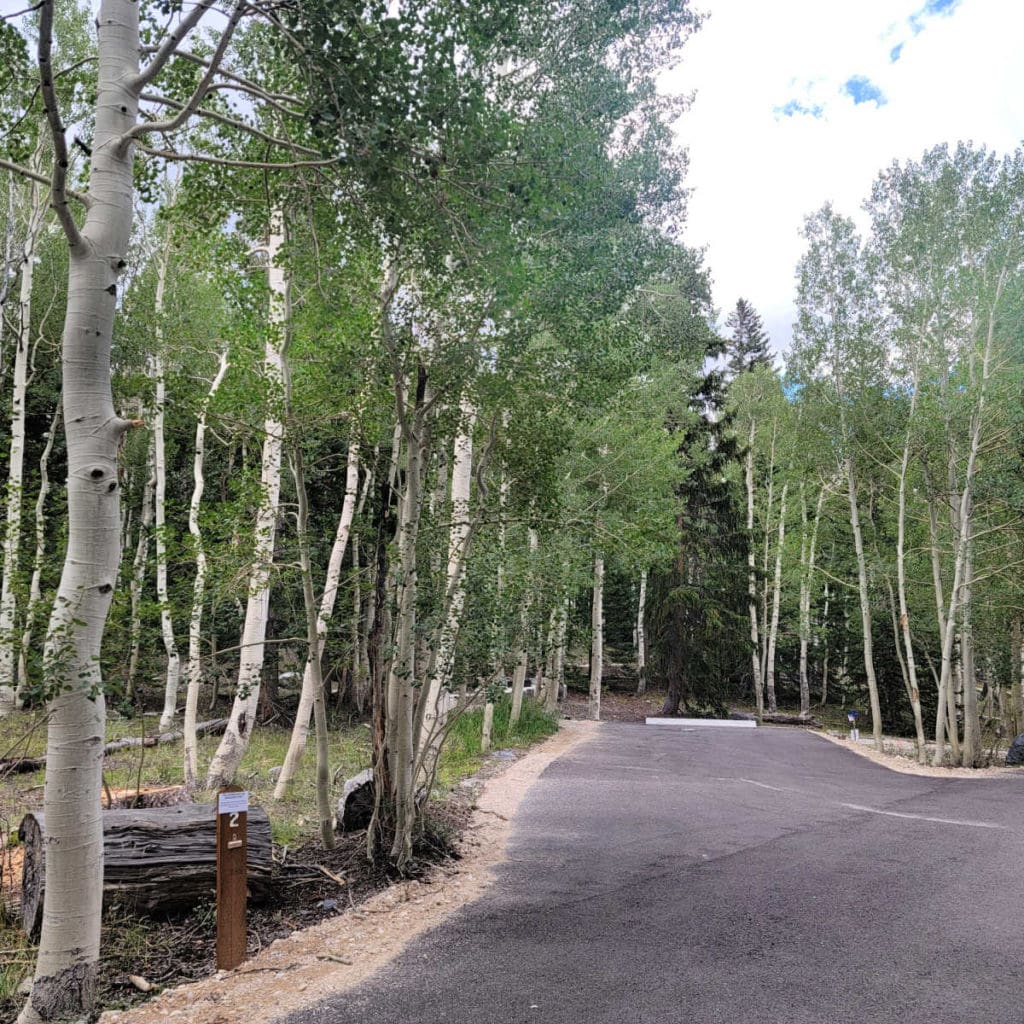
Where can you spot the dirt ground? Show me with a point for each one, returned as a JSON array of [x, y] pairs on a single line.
[[341, 952]]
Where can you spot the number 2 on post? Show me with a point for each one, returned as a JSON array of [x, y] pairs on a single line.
[[233, 820]]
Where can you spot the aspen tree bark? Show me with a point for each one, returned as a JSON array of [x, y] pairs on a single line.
[[311, 688], [65, 977], [194, 669], [314, 635], [487, 728], [35, 588], [913, 688], [865, 605], [523, 656], [755, 654], [361, 625], [808, 557], [455, 594], [824, 658], [139, 573], [16, 461], [776, 601], [597, 640], [766, 552], [236, 737], [971, 752], [1017, 674], [641, 637], [173, 676], [962, 513]]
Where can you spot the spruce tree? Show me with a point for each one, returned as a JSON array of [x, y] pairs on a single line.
[[747, 345]]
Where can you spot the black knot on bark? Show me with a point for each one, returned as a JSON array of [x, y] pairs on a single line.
[[96, 473], [104, 588], [112, 290], [111, 487]]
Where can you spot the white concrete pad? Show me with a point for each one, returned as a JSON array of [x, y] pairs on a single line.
[[734, 723]]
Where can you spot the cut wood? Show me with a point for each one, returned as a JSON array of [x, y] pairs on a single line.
[[778, 718], [17, 765], [155, 860]]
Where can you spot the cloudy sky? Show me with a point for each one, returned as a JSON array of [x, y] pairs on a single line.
[[802, 101]]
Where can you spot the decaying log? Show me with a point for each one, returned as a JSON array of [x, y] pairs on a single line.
[[156, 860], [778, 718], [17, 765]]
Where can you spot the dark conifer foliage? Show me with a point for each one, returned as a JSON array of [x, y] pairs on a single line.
[[697, 638], [747, 344]]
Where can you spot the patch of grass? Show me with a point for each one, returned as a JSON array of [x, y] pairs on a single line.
[[461, 755]]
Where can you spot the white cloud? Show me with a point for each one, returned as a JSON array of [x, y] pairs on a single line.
[[755, 172]]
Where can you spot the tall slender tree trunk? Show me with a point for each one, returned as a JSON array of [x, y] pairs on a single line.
[[1017, 674], [314, 634], [641, 637], [16, 461], [773, 631], [825, 655], [913, 688], [310, 687], [808, 553], [66, 967], [755, 644], [139, 574], [194, 669], [173, 677], [35, 587], [972, 752], [865, 605], [597, 640], [523, 655], [455, 593], [236, 737]]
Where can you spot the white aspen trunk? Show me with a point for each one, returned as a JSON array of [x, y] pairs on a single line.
[[315, 627], [824, 658], [243, 712], [310, 686], [455, 593], [361, 628], [913, 688], [558, 655], [65, 976], [523, 657], [173, 677], [487, 727], [641, 638], [971, 752], [865, 606], [35, 588], [194, 670], [1017, 674], [776, 601], [139, 573], [755, 643], [597, 640], [402, 670], [766, 553], [808, 555], [16, 462]]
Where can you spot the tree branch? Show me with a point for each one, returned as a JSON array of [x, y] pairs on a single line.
[[43, 179], [189, 108], [173, 155], [168, 48], [230, 122], [58, 181], [244, 83]]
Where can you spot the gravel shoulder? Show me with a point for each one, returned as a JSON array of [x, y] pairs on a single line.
[[340, 953], [908, 765]]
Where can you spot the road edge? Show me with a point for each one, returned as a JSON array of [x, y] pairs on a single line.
[[337, 955]]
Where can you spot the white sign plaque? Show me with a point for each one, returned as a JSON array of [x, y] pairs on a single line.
[[233, 803]]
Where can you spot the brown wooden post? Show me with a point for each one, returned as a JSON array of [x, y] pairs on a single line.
[[232, 858]]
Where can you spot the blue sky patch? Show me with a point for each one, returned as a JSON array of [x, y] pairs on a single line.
[[895, 53], [862, 90], [794, 107]]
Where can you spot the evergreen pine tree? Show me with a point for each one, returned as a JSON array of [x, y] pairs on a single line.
[[747, 345]]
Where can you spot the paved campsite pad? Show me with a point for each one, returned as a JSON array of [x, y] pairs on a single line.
[[712, 876]]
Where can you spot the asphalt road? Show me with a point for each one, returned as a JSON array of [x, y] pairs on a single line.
[[733, 876]]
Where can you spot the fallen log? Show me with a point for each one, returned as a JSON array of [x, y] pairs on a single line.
[[156, 860], [17, 765], [779, 718]]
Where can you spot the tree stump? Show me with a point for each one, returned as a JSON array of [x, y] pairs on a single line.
[[156, 860]]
